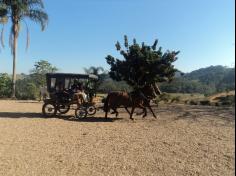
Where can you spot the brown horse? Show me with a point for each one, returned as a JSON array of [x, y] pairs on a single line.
[[139, 98]]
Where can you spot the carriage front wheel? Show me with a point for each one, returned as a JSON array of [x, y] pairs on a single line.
[[49, 110], [81, 112], [91, 110]]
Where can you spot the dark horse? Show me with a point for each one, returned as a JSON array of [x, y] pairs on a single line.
[[139, 98]]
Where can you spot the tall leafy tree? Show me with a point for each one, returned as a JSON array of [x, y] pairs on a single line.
[[39, 71], [17, 11], [142, 64]]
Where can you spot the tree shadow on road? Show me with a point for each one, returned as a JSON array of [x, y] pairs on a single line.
[[212, 114]]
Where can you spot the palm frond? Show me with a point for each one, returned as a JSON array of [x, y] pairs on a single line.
[[28, 37], [38, 3], [11, 39], [2, 37], [38, 16]]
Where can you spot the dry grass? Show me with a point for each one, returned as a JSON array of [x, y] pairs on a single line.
[[184, 140]]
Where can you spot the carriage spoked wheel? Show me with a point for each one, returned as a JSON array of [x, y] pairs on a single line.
[[91, 110], [81, 112], [49, 110], [63, 109]]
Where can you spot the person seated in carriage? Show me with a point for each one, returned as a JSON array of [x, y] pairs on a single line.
[[78, 92], [61, 94]]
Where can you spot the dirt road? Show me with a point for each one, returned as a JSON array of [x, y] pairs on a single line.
[[184, 140]]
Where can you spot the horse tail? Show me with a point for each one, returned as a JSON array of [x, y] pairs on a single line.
[[106, 104]]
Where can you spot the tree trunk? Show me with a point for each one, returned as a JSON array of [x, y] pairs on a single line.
[[156, 88], [15, 35]]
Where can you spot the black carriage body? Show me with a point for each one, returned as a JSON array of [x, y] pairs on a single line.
[[67, 79]]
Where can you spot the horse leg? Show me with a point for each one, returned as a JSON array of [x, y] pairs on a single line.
[[131, 113], [145, 112], [106, 114], [127, 110], [106, 111], [115, 112], [149, 107]]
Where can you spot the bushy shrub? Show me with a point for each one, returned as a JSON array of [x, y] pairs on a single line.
[[186, 101], [110, 85], [175, 99], [228, 100], [193, 102], [163, 97], [205, 102], [26, 90], [5, 85]]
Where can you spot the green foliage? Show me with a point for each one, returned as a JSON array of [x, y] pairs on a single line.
[[39, 71], [142, 64], [26, 89], [109, 85], [182, 85], [27, 86], [5, 85], [165, 97]]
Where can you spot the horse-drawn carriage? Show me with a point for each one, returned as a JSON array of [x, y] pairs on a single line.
[[62, 97]]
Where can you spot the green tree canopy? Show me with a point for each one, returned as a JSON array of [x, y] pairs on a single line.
[[142, 64], [39, 71]]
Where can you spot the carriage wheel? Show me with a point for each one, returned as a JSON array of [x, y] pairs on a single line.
[[49, 110], [81, 112], [63, 109], [91, 110]]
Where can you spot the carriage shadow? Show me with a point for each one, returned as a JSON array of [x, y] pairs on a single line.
[[16, 115]]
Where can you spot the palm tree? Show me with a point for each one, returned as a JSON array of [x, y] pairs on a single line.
[[17, 11], [98, 71], [93, 70]]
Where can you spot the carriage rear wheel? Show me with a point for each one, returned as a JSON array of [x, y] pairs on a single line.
[[81, 112], [49, 110], [91, 110], [63, 109]]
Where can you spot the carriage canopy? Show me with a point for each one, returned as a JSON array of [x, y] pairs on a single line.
[[67, 79]]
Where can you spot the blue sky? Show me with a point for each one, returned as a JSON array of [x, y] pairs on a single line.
[[82, 33]]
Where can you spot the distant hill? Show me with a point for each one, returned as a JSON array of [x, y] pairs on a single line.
[[205, 80], [222, 78]]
